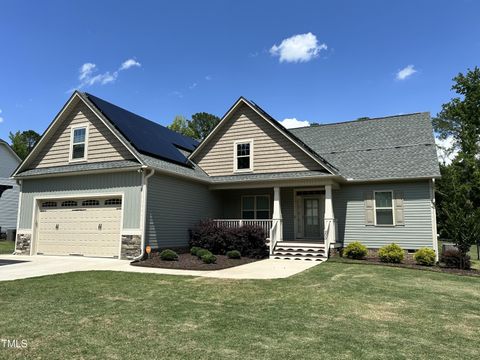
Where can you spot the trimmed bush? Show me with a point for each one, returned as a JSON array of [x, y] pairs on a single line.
[[202, 252], [391, 254], [425, 256], [355, 250], [209, 258], [453, 258], [194, 250], [234, 254], [168, 255], [249, 240]]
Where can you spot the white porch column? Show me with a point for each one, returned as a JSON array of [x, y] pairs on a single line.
[[329, 221], [277, 210]]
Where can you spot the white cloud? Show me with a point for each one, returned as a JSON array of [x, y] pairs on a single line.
[[193, 86], [208, 77], [177, 93], [88, 74], [127, 64], [446, 150], [406, 72], [298, 48], [294, 123], [1, 117]]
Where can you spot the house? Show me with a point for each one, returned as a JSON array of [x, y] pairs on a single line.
[[103, 181], [8, 187]]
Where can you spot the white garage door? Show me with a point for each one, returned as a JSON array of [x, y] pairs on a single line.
[[89, 227]]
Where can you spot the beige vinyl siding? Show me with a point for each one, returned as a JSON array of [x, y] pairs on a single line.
[[102, 145], [174, 206], [272, 151]]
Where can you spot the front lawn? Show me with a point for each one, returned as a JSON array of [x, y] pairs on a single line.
[[7, 247], [334, 310]]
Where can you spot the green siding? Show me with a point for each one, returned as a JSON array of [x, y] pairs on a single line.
[[128, 183], [174, 206], [348, 207]]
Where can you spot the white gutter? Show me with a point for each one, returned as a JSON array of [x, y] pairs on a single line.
[[143, 216], [20, 184]]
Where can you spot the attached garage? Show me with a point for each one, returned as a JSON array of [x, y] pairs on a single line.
[[79, 226]]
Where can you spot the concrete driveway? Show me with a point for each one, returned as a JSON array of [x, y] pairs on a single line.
[[13, 267]]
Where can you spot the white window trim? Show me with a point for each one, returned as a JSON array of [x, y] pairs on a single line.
[[235, 162], [85, 154], [255, 206], [383, 208]]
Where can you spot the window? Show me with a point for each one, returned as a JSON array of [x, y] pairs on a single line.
[[243, 155], [113, 202], [256, 207], [78, 144], [90, 203], [49, 204], [69, 203], [384, 208]]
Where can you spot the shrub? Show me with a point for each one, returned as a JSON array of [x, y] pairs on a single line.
[[202, 252], [194, 250], [168, 255], [453, 258], [355, 250], [209, 258], [249, 240], [234, 254], [391, 253], [425, 256]]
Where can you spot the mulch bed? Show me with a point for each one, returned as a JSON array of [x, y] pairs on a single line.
[[190, 262], [409, 263]]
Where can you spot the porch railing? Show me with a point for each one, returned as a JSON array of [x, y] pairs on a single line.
[[275, 234], [266, 224], [330, 233]]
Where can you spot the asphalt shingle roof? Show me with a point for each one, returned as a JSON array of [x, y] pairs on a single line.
[[382, 148], [80, 167]]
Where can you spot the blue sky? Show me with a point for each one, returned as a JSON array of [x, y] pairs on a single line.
[[317, 61]]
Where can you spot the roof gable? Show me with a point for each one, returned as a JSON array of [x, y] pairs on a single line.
[[145, 135], [74, 106], [275, 125]]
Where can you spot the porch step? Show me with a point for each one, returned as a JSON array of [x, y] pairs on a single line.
[[309, 251], [302, 258]]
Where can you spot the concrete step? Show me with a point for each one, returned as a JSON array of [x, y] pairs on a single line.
[[297, 244], [301, 258], [299, 253]]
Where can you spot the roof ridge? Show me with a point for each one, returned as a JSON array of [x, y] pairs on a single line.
[[378, 148], [359, 120]]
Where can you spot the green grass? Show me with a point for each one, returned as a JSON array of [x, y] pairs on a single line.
[[335, 310], [7, 247]]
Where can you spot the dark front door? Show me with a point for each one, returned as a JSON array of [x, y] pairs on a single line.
[[312, 218]]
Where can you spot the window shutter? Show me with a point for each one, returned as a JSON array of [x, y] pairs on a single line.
[[368, 203], [399, 208], [299, 204]]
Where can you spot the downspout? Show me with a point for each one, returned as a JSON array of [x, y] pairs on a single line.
[[143, 220], [20, 184], [434, 219]]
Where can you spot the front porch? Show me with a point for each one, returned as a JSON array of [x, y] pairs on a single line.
[[298, 222]]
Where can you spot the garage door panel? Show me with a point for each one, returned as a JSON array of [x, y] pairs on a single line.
[[88, 231]]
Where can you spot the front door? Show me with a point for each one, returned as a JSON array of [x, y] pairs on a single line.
[[312, 218]]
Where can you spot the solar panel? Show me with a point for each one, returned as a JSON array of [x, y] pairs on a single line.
[[145, 135]]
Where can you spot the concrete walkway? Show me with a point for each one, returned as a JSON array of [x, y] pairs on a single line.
[[13, 267]]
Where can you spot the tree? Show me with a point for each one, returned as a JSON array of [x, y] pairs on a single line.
[[180, 125], [202, 123], [23, 142], [198, 128], [459, 188]]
